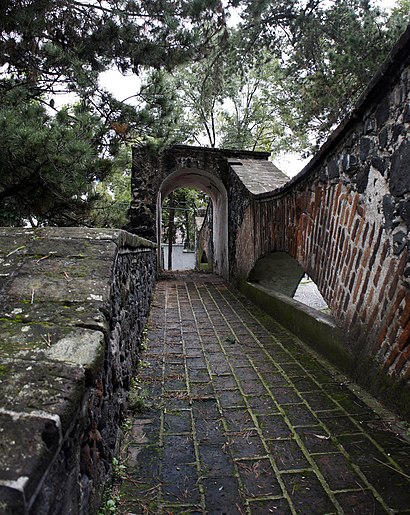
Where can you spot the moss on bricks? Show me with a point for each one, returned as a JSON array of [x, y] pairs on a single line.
[[311, 326], [320, 332]]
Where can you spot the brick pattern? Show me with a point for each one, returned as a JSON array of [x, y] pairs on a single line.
[[351, 260], [347, 223], [243, 419]]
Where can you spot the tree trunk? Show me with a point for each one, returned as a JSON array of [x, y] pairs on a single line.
[[171, 229], [187, 239]]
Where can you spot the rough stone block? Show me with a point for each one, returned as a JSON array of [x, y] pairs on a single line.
[[28, 445], [399, 174], [68, 353]]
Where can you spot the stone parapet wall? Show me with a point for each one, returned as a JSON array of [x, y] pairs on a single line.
[[241, 228], [346, 219], [74, 303]]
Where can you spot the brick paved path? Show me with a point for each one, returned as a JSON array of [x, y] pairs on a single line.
[[243, 419]]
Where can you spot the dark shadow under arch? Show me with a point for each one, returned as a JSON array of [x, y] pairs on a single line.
[[277, 271], [280, 272]]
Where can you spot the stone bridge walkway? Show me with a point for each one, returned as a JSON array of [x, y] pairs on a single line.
[[241, 418]]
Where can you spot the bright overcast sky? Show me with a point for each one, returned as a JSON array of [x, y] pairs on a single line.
[[292, 164], [126, 86]]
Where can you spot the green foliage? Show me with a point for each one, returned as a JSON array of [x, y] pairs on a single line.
[[60, 157], [118, 469], [48, 163], [159, 106], [47, 42], [199, 90], [256, 117], [328, 53], [136, 398], [186, 203], [400, 17], [109, 506], [287, 74], [281, 79], [113, 194]]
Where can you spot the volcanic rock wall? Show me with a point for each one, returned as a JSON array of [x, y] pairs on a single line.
[[74, 302]]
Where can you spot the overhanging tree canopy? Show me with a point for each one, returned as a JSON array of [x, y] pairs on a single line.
[[282, 77], [292, 69], [51, 158]]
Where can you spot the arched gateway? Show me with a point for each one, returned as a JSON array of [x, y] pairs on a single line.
[[213, 186], [156, 175]]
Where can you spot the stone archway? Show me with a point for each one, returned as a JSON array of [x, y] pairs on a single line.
[[222, 174], [212, 186]]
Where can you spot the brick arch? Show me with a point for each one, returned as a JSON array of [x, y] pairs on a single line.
[[277, 271], [340, 236], [214, 187]]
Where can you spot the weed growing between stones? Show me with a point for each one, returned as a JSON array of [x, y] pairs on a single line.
[[126, 425], [143, 364], [144, 338], [109, 506], [136, 398], [111, 497], [118, 469]]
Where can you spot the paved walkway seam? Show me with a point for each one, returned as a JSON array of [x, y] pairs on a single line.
[[242, 419]]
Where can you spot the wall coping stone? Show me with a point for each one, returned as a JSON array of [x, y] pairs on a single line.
[[313, 327], [258, 176], [55, 290], [225, 152]]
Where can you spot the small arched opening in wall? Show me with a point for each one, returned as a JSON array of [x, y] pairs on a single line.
[[201, 180], [308, 293], [280, 272], [204, 257]]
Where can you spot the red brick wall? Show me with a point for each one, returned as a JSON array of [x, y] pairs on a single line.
[[346, 219], [325, 227]]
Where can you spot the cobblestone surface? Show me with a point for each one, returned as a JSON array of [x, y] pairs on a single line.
[[241, 418]]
